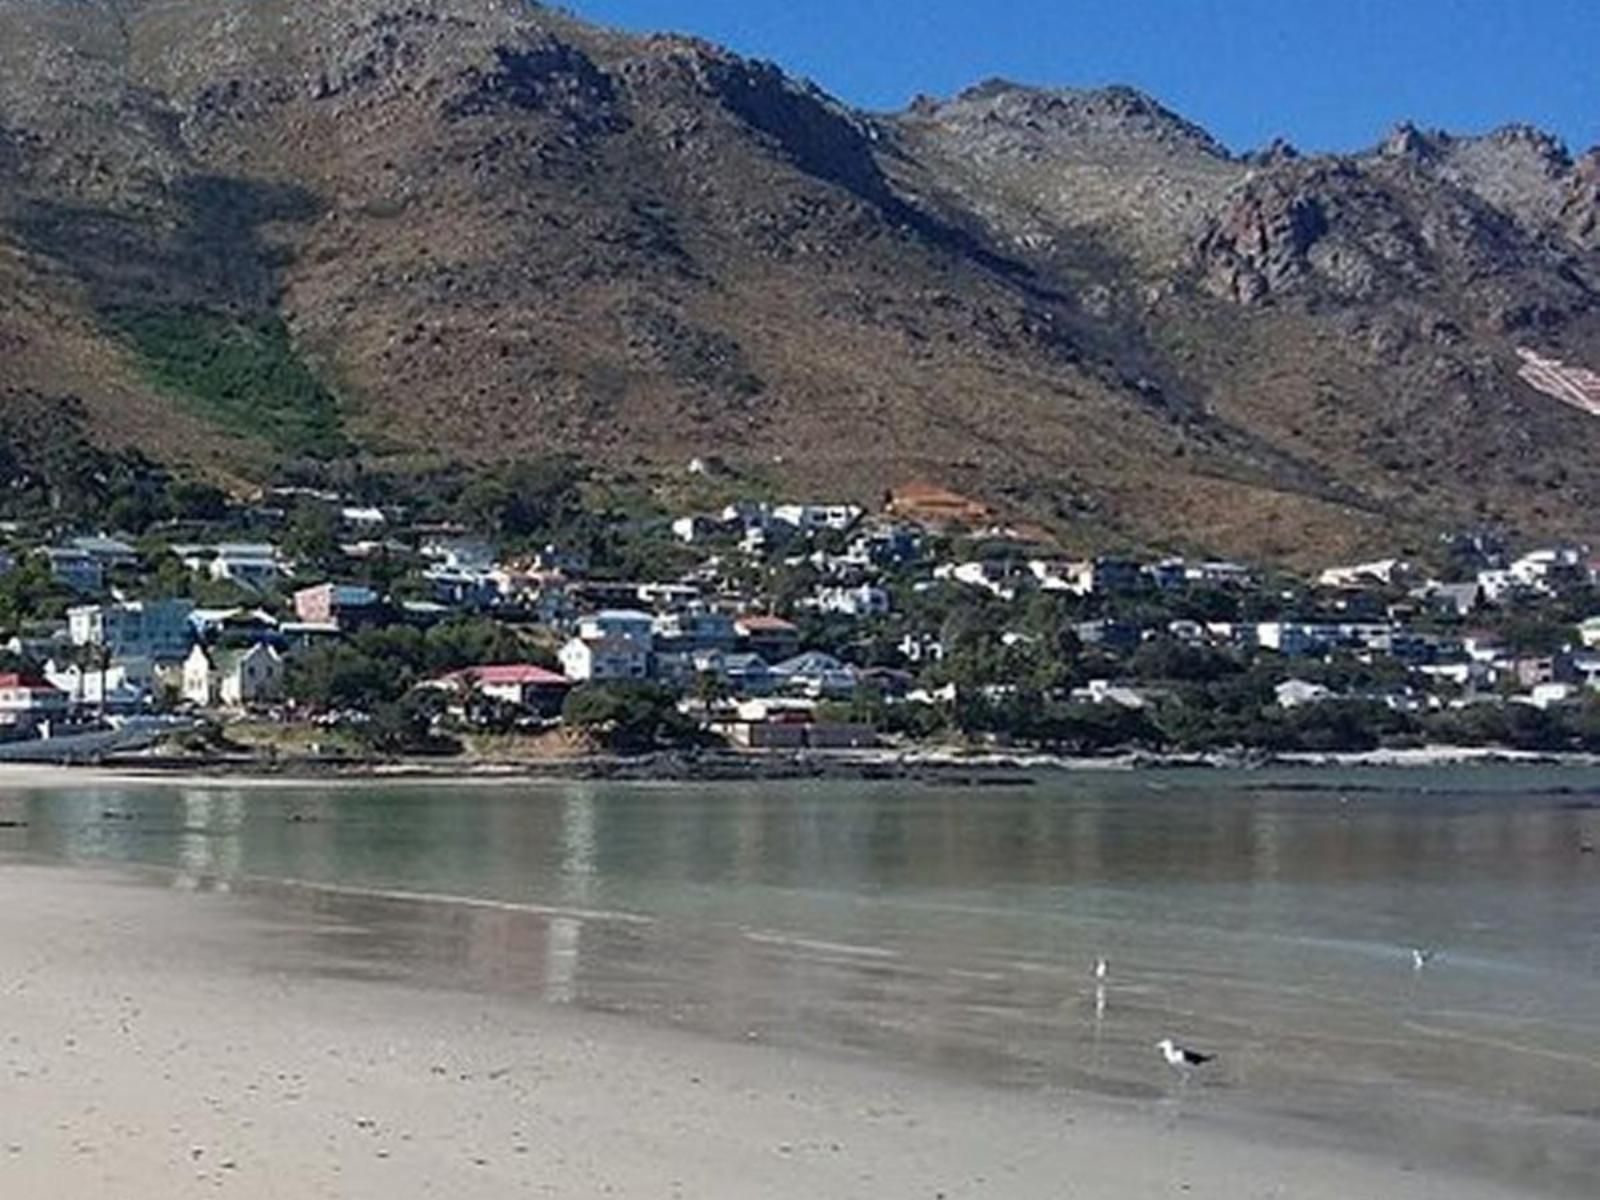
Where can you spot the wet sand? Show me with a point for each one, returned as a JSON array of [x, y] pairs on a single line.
[[147, 1051]]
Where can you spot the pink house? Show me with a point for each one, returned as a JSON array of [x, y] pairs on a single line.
[[336, 604]]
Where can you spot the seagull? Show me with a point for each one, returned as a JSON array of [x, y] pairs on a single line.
[[1181, 1058], [1101, 969], [1421, 958]]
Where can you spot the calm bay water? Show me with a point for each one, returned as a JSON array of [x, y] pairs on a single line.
[[1269, 918]]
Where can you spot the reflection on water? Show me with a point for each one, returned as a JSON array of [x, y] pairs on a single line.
[[957, 929]]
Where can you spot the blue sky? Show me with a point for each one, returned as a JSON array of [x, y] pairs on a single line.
[[1326, 74]]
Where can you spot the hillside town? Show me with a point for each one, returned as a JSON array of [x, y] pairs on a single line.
[[772, 626]]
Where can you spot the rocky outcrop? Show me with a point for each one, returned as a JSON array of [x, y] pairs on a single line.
[[1262, 244], [1387, 228], [1580, 205], [1048, 167], [545, 76], [1331, 227], [1012, 118]]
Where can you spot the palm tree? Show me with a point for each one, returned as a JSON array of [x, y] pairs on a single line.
[[101, 656]]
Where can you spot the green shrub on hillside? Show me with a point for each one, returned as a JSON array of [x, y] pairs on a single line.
[[243, 374]]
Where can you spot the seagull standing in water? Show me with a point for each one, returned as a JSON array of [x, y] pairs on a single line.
[[1101, 970], [1420, 958], [1182, 1059]]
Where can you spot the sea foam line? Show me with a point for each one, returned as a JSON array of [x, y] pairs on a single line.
[[477, 902], [768, 938]]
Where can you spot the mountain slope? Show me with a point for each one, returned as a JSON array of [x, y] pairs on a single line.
[[235, 233]]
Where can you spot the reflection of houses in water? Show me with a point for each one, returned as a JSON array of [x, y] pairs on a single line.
[[523, 950], [561, 960], [209, 845], [578, 843], [526, 948]]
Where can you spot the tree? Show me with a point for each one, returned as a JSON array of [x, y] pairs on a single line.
[[629, 717], [867, 706], [914, 720], [711, 689], [479, 641], [192, 500], [406, 726], [28, 593], [534, 497], [1519, 726], [343, 676], [1168, 660], [312, 535]]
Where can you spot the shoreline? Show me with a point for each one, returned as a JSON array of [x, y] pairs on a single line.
[[996, 769], [166, 1043]]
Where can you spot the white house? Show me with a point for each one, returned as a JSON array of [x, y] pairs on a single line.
[[1220, 574], [839, 517], [694, 529], [124, 684], [1103, 691], [26, 700], [615, 643], [1552, 695], [364, 519], [1540, 570], [459, 553], [156, 629], [1385, 572], [1000, 577], [1470, 674], [623, 624], [755, 541], [1297, 693], [666, 595], [696, 629], [250, 565], [233, 678], [1085, 577], [1295, 637], [864, 601], [522, 684], [1498, 586], [587, 659]]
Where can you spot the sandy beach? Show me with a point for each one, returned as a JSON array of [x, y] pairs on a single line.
[[160, 1043]]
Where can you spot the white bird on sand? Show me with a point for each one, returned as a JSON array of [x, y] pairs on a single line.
[[1181, 1058], [1421, 958]]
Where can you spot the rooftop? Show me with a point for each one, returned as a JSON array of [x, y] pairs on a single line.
[[766, 624], [16, 679], [525, 674]]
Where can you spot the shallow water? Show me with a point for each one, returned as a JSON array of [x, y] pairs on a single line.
[[1267, 918]]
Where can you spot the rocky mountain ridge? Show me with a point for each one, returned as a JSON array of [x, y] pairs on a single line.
[[483, 228]]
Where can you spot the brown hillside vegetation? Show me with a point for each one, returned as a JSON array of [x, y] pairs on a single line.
[[480, 229]]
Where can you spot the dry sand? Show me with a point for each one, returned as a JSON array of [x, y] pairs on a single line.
[[164, 1044]]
